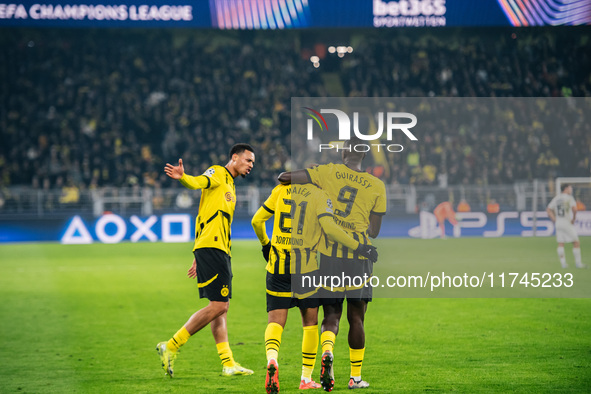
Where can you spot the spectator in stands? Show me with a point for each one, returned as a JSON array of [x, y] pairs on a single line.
[[98, 106], [493, 206], [70, 193], [580, 205], [463, 206]]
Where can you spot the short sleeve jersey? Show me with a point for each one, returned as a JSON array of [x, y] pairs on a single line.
[[563, 205]]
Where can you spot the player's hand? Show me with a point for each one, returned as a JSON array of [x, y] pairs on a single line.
[[284, 178], [368, 251], [266, 250], [175, 172], [192, 273]]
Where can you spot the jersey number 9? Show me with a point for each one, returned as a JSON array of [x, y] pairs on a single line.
[[346, 196]]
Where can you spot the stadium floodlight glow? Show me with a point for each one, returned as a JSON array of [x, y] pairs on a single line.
[[342, 50], [314, 59], [331, 49], [316, 64]]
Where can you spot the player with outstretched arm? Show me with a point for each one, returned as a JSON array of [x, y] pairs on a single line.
[[212, 265]]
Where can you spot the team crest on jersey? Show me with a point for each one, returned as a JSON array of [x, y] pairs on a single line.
[[329, 204], [225, 291], [229, 196], [209, 172]]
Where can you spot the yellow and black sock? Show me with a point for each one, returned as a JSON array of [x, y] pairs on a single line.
[[327, 340], [356, 358], [179, 339], [225, 354], [273, 340], [309, 350]]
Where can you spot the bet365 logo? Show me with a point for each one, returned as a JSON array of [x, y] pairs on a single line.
[[388, 122]]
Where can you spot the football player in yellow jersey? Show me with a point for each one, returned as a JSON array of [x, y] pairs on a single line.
[[301, 213], [211, 266], [359, 203]]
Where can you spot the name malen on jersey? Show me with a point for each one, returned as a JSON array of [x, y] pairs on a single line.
[[301, 190], [288, 241], [355, 178]]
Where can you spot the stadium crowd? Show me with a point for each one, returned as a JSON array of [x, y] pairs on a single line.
[[89, 108]]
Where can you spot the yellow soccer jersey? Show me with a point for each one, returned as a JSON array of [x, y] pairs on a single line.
[[301, 213], [310, 205], [216, 208], [278, 205], [355, 195]]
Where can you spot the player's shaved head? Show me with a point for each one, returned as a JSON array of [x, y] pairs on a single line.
[[350, 155]]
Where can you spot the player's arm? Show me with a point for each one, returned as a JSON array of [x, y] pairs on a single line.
[[336, 233], [574, 208], [190, 182], [258, 224], [262, 215], [294, 177], [195, 182], [375, 225], [551, 214], [199, 182], [377, 212]]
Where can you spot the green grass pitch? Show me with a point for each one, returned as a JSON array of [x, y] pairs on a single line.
[[86, 319]]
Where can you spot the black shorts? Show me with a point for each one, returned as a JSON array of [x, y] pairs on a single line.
[[279, 294], [350, 278], [214, 274]]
